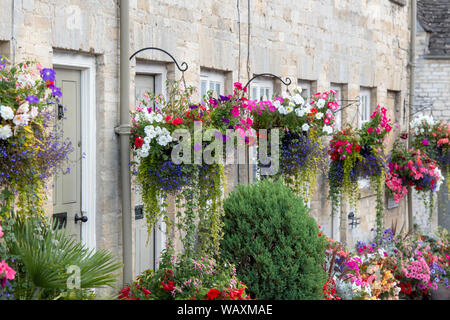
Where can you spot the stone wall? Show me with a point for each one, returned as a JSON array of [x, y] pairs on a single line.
[[432, 96], [352, 43], [432, 90]]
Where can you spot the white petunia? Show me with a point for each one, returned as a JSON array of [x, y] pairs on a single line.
[[440, 179], [21, 120], [6, 113], [163, 140], [147, 140], [277, 104], [298, 99], [158, 131], [282, 110], [300, 112], [5, 132], [25, 79], [328, 129], [33, 112], [289, 109], [24, 108], [158, 118], [146, 147], [298, 90], [320, 103], [319, 115], [142, 154], [149, 129], [305, 127]]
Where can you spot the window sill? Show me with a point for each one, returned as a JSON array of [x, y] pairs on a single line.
[[399, 2]]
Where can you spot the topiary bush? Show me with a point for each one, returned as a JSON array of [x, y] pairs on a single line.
[[276, 246]]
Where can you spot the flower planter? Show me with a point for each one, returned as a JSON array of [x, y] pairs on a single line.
[[442, 293]]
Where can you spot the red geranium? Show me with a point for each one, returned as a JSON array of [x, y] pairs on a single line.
[[212, 294], [138, 142]]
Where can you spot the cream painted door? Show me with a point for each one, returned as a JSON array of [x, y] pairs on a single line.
[[145, 254], [67, 187]]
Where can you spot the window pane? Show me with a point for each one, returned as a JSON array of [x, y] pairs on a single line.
[[254, 93], [211, 86], [203, 88], [218, 91], [261, 93]]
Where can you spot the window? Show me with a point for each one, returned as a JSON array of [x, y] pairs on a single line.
[[339, 95], [306, 89], [144, 83], [150, 78], [364, 107], [261, 89], [393, 105], [212, 81]]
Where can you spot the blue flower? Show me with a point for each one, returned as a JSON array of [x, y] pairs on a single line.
[[32, 99], [48, 74]]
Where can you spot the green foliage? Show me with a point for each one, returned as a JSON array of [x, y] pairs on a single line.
[[273, 242], [42, 256]]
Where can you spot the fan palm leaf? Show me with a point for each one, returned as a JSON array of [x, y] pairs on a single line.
[[46, 254]]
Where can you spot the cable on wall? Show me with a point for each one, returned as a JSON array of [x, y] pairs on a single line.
[[13, 33], [248, 41], [239, 32]]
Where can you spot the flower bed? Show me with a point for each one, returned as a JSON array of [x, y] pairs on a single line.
[[188, 279], [390, 267]]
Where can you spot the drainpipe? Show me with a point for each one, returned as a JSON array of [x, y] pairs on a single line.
[[13, 33], [412, 65], [124, 131]]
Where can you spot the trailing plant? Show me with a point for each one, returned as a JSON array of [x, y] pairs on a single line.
[[302, 124], [344, 152], [32, 147], [169, 163], [432, 137], [276, 246], [359, 154], [412, 168]]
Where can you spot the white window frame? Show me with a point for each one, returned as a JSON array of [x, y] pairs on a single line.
[[306, 89], [365, 96], [338, 115], [213, 78], [259, 84], [159, 71]]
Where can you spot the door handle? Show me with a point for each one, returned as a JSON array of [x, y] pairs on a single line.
[[60, 111], [82, 218]]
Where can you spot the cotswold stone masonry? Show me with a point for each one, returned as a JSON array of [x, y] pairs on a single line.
[[351, 43]]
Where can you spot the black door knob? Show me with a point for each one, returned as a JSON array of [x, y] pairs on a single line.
[[82, 218]]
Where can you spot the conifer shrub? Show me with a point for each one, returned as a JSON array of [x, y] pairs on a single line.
[[276, 246]]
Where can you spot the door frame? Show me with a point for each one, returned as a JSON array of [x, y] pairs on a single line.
[[86, 65], [159, 71]]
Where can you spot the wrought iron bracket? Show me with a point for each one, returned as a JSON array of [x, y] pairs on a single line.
[[184, 66], [286, 83]]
